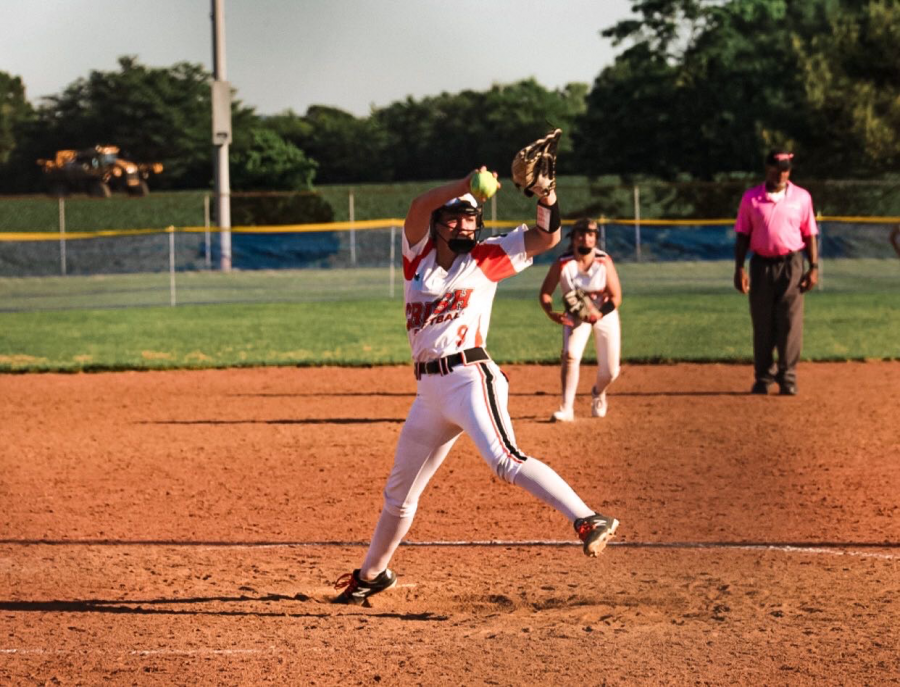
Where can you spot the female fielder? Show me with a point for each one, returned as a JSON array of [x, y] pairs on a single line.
[[450, 280], [586, 267]]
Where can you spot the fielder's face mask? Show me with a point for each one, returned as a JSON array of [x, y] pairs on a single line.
[[450, 214], [585, 228]]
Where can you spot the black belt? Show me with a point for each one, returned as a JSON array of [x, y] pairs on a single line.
[[776, 259], [445, 365]]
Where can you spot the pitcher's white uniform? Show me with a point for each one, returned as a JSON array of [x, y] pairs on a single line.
[[448, 313], [607, 332]]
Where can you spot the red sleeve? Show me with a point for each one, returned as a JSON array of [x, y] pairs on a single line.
[[493, 261], [410, 266]]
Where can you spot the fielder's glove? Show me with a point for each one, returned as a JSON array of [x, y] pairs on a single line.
[[534, 167], [580, 307]]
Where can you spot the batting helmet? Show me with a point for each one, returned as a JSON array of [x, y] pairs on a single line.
[[463, 205]]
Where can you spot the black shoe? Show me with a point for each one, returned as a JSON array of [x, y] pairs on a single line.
[[357, 591], [787, 390], [595, 531], [760, 388]]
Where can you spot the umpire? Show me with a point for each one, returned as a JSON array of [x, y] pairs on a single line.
[[777, 223]]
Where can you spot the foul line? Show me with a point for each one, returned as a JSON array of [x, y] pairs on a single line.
[[143, 652], [829, 547]]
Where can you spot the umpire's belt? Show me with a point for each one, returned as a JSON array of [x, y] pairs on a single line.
[[775, 259], [445, 365]]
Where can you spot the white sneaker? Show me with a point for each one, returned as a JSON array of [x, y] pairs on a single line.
[[563, 415], [598, 404]]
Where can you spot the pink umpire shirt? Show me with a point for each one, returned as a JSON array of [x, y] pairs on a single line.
[[776, 228]]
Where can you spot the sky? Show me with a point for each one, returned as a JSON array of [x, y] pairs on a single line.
[[290, 54]]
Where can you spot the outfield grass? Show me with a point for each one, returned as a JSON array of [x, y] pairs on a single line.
[[671, 312], [158, 210], [579, 196], [40, 213]]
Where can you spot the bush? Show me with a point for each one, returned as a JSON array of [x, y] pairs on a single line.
[[259, 209]]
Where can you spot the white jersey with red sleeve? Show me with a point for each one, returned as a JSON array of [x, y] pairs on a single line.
[[450, 311], [592, 282]]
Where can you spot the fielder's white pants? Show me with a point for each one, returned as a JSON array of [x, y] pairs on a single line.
[[471, 399], [608, 342]]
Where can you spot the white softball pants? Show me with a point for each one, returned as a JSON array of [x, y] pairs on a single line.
[[608, 342], [471, 399]]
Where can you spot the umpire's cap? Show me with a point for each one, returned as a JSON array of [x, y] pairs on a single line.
[[779, 158]]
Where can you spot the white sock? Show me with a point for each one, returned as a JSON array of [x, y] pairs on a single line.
[[569, 373], [389, 532], [542, 481]]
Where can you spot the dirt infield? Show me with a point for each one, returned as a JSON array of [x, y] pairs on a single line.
[[184, 528]]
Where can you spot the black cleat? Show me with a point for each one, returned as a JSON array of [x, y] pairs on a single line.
[[357, 591], [595, 531], [788, 389], [760, 389]]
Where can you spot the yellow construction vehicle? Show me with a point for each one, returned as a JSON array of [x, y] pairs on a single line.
[[97, 171]]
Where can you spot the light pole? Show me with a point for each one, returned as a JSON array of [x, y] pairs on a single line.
[[221, 132]]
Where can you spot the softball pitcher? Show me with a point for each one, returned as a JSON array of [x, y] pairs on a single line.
[[450, 280], [589, 271]]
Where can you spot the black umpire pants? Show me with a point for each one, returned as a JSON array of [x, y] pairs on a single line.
[[776, 309]]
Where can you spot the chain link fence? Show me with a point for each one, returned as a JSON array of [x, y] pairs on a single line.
[[165, 249]]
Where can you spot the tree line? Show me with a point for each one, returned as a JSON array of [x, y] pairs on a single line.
[[700, 90]]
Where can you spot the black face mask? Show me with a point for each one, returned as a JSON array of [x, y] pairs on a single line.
[[458, 245], [584, 250]]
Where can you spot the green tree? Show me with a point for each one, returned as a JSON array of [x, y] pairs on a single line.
[[740, 85], [702, 88], [443, 136], [705, 87], [152, 114], [14, 111], [664, 28], [269, 163], [850, 75], [347, 148], [631, 124]]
